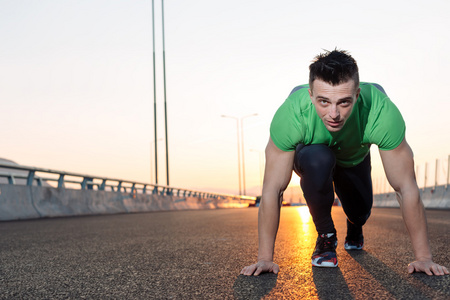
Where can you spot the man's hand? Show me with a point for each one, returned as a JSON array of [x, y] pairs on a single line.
[[428, 267], [261, 266], [399, 166]]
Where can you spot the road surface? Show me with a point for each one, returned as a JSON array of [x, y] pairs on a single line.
[[199, 254]]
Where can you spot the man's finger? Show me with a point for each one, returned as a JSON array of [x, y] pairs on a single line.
[[276, 269], [434, 270], [258, 271], [250, 270], [243, 270], [428, 271], [440, 270]]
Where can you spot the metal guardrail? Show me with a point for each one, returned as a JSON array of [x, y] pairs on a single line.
[[89, 182]]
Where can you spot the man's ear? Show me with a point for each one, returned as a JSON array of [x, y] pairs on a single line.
[[357, 92]]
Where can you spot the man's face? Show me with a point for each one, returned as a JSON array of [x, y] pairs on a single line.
[[334, 104]]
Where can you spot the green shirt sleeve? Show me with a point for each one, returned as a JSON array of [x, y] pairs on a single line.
[[284, 129], [388, 127]]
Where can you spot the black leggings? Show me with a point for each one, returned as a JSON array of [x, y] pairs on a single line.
[[316, 166]]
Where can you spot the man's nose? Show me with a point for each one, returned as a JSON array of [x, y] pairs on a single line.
[[334, 112]]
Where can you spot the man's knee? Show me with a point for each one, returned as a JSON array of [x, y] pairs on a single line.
[[313, 159], [359, 220], [315, 165]]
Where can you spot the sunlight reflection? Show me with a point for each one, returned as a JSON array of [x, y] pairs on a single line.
[[232, 204], [306, 222], [301, 245], [303, 212]]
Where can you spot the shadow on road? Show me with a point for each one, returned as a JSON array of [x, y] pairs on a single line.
[[416, 286], [328, 281], [440, 284], [254, 287]]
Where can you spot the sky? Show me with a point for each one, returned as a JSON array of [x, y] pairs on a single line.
[[76, 81]]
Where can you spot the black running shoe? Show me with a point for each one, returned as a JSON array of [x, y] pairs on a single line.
[[357, 244], [355, 238], [325, 253]]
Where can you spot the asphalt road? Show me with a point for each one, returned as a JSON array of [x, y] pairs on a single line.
[[199, 254]]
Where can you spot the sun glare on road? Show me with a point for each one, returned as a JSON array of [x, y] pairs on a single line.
[[300, 246], [303, 212], [306, 224]]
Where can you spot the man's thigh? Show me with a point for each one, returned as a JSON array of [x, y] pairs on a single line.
[[354, 189]]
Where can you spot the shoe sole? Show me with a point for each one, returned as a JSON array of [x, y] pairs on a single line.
[[325, 264], [346, 247]]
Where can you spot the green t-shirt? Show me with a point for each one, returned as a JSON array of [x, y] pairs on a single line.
[[374, 120]]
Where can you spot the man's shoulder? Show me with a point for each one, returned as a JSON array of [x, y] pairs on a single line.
[[298, 98], [300, 89], [371, 86]]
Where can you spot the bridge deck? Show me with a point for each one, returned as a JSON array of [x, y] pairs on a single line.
[[199, 254]]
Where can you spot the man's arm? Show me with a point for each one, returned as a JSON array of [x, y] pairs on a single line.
[[277, 175], [399, 167]]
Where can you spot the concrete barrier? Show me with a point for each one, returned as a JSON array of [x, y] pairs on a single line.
[[53, 202], [433, 198], [30, 202], [102, 202], [442, 197], [427, 197], [385, 200], [16, 203]]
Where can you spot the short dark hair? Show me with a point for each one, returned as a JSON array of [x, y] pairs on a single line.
[[334, 67]]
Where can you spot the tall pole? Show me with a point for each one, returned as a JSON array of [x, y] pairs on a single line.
[[243, 159], [261, 169], [239, 157], [448, 172], [238, 152], [417, 175], [165, 102], [151, 160], [425, 180], [260, 166], [154, 93], [242, 145], [380, 185], [377, 185], [436, 174]]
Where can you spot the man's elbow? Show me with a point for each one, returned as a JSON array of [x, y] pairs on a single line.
[[273, 194], [408, 195]]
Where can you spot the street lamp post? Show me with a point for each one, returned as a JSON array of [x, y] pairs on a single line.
[[238, 152], [154, 93], [165, 100], [151, 159], [261, 164], [242, 144], [448, 173]]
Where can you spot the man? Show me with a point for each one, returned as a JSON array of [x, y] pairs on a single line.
[[323, 132]]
